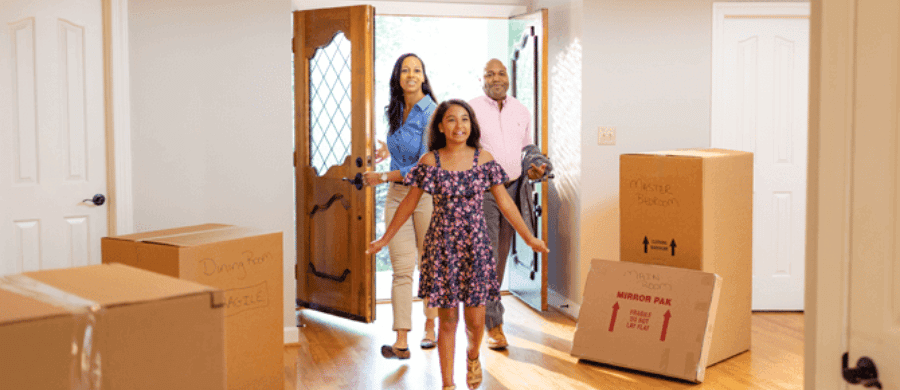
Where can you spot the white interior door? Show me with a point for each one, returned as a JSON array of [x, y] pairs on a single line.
[[52, 136], [760, 106]]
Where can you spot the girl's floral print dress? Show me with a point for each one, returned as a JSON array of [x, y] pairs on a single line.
[[458, 264]]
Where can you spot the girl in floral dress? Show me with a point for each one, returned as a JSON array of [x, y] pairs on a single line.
[[458, 264]]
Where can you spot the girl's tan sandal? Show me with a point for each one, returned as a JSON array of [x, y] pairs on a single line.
[[473, 373]]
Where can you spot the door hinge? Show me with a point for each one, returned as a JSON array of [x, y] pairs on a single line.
[[295, 159], [292, 46]]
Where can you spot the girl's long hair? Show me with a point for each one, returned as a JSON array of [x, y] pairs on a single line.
[[437, 140], [394, 110]]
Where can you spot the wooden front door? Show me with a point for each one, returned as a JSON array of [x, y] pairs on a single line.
[[527, 269], [333, 71]]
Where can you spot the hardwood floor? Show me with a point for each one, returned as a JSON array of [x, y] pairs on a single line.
[[334, 353]]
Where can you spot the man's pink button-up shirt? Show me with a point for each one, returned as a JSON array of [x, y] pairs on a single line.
[[504, 133]]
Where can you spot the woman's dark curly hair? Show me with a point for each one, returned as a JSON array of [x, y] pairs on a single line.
[[437, 140], [394, 110]]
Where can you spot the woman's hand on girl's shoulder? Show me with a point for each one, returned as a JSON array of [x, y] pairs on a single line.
[[428, 159]]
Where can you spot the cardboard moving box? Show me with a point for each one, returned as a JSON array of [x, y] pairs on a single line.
[[247, 264], [694, 209], [650, 318], [145, 331]]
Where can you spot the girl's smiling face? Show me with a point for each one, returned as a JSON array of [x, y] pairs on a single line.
[[456, 125]]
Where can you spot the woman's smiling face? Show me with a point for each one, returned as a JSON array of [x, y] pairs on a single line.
[[411, 75]]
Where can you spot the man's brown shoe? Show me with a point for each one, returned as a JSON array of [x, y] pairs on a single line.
[[496, 340]]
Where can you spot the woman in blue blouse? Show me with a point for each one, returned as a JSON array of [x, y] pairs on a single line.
[[408, 114]]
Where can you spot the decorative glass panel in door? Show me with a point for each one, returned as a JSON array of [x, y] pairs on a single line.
[[333, 57], [528, 34]]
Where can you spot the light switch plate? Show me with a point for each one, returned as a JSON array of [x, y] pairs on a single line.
[[606, 135]]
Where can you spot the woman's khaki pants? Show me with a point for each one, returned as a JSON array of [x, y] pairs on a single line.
[[406, 249]]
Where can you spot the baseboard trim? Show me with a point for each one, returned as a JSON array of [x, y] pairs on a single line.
[[291, 335], [563, 304]]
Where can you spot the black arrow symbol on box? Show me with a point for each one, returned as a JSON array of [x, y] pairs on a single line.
[[673, 246], [646, 242]]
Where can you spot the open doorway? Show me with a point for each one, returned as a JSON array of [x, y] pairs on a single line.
[[338, 87], [454, 51]]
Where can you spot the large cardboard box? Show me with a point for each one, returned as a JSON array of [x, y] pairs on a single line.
[[247, 264], [110, 327], [693, 209], [649, 318]]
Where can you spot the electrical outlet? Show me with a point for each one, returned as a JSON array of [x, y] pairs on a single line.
[[606, 135]]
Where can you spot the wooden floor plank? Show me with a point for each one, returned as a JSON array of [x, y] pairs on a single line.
[[334, 353]]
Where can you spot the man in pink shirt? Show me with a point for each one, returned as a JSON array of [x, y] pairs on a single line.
[[505, 130]]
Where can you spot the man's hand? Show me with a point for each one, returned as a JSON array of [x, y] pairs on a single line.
[[537, 245], [536, 172], [382, 153]]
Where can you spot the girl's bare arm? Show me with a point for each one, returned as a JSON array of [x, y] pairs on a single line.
[[511, 212]]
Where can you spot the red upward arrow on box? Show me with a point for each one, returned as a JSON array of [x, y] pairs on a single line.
[[665, 325], [612, 322]]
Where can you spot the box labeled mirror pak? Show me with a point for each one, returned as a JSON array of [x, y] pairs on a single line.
[[650, 318], [247, 264], [110, 327], [693, 209]]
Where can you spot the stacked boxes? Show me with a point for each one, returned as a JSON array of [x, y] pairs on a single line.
[[693, 209], [110, 327], [247, 264]]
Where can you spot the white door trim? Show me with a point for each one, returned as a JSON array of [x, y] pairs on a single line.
[[721, 11], [832, 96], [118, 117]]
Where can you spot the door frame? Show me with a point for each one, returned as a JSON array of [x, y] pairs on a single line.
[[117, 103], [432, 10], [829, 181]]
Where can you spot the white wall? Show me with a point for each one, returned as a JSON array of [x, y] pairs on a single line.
[[211, 118], [648, 74], [645, 69]]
